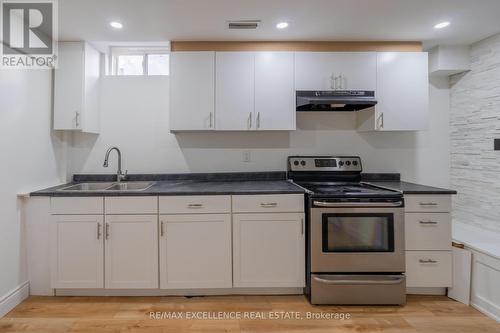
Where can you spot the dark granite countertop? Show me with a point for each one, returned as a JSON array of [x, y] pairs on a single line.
[[411, 188], [226, 184], [200, 184]]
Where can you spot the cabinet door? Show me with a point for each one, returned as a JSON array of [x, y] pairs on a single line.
[[92, 72], [234, 94], [195, 251], [268, 250], [314, 70], [77, 251], [131, 251], [192, 91], [274, 91], [402, 91], [69, 86]]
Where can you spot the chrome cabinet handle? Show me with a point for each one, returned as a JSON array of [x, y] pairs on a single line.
[[427, 261], [428, 204], [268, 204], [380, 120], [427, 222], [258, 120], [162, 230], [249, 120], [77, 119], [195, 206], [302, 226], [98, 230], [211, 124], [107, 227]]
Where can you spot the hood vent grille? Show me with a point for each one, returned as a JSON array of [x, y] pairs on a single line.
[[244, 24]]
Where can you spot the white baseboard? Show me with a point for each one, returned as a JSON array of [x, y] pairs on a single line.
[[425, 291], [486, 307], [179, 292], [13, 298]]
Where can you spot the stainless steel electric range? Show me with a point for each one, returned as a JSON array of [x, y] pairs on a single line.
[[355, 233]]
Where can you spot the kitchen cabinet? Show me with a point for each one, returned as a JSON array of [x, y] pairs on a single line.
[[335, 70], [402, 94], [76, 87], [192, 91], [274, 91], [77, 251], [234, 93], [268, 250], [195, 251], [428, 241], [131, 248]]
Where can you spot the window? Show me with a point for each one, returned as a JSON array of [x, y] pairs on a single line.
[[139, 61]]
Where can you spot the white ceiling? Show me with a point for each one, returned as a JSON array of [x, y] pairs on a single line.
[[163, 20]]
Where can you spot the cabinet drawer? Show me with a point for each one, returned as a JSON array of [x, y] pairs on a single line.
[[268, 203], [428, 269], [428, 231], [195, 204], [428, 203], [131, 205], [80, 205]]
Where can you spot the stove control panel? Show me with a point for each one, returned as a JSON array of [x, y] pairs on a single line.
[[324, 163]]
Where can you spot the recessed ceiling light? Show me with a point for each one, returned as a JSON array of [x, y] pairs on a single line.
[[282, 25], [442, 25], [116, 25]]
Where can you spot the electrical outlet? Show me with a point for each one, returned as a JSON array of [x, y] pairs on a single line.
[[496, 144], [247, 156]]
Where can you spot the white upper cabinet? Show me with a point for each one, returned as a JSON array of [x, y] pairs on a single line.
[[335, 70], [76, 88], [274, 91], [234, 93], [402, 93], [192, 88]]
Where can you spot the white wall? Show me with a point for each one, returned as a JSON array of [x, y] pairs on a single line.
[[475, 122], [135, 118], [30, 152]]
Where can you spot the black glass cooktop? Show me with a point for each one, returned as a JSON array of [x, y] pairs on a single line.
[[347, 189]]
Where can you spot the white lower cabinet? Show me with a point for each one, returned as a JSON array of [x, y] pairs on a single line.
[[268, 250], [195, 251], [77, 251], [131, 251], [428, 269], [428, 241]]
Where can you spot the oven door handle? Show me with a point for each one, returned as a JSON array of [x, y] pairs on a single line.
[[357, 204], [343, 280]]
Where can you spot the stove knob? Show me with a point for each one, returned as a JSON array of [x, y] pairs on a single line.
[[348, 163], [303, 163], [296, 163], [355, 163], [341, 163]]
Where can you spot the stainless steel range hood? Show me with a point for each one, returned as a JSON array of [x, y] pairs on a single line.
[[335, 100]]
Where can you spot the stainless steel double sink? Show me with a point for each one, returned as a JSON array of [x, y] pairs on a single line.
[[103, 186]]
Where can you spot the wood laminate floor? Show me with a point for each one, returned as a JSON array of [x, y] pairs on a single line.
[[425, 314]]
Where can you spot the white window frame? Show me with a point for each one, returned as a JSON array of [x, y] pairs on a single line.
[[139, 51]]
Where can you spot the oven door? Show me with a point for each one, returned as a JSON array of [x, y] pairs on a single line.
[[357, 240]]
